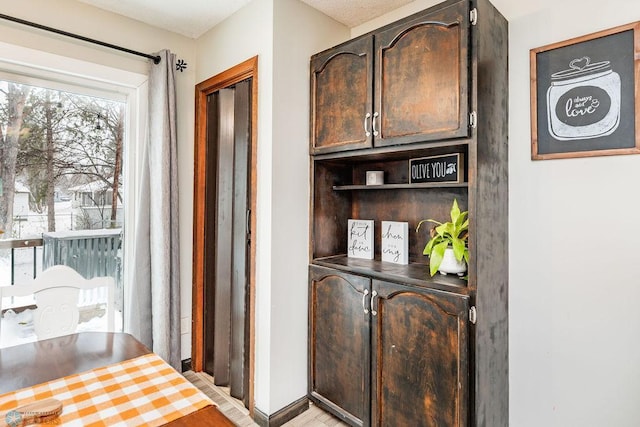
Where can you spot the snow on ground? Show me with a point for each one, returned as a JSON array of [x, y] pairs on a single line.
[[34, 224], [31, 226], [17, 328]]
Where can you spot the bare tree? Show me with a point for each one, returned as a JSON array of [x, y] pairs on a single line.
[[49, 152], [16, 96], [116, 126], [56, 138], [39, 158], [72, 139], [100, 148]]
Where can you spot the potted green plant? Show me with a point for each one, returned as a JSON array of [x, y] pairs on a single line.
[[447, 249]]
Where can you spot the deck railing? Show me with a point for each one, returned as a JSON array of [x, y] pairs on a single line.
[[91, 253], [15, 245]]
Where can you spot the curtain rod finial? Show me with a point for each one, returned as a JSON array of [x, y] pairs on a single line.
[[156, 60], [181, 65]]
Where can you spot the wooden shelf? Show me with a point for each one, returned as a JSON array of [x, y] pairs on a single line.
[[401, 186], [413, 274], [397, 152]]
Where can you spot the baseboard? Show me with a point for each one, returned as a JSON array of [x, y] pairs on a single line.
[[330, 407], [280, 417], [186, 365]]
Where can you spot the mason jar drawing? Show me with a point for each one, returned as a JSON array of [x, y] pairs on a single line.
[[583, 101]]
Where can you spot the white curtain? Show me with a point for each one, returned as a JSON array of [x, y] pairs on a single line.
[[152, 312]]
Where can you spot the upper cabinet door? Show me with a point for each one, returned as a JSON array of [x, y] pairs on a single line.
[[341, 98], [422, 78]]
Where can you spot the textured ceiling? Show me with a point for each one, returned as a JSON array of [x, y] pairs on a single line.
[[355, 12], [192, 18]]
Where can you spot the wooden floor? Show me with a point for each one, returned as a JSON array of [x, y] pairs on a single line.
[[239, 415]]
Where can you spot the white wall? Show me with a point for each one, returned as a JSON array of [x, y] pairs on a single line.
[[573, 306], [573, 317], [85, 20], [299, 32], [284, 34]]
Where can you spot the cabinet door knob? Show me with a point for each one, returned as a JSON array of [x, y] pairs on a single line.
[[373, 297], [375, 115], [366, 129], [364, 303]]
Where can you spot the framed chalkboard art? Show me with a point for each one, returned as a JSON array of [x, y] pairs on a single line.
[[584, 95]]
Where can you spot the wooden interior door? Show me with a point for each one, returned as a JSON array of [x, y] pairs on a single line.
[[204, 243], [228, 237]]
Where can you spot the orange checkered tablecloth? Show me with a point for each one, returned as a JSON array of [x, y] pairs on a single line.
[[141, 391]]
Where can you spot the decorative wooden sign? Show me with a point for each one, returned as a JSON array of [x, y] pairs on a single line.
[[360, 238], [395, 242], [445, 168]]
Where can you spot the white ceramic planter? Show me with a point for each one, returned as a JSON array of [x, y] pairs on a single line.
[[450, 265]]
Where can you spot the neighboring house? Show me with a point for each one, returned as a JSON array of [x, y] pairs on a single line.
[[61, 196], [21, 201], [92, 194], [91, 204]]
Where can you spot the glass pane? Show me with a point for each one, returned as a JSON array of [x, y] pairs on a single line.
[[61, 194]]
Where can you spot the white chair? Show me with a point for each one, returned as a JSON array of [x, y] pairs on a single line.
[[57, 293]]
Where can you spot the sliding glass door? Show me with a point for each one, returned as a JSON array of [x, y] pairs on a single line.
[[61, 194]]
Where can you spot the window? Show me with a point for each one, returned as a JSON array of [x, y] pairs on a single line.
[[67, 163], [61, 163]]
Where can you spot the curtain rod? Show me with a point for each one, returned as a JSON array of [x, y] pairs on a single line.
[[156, 59]]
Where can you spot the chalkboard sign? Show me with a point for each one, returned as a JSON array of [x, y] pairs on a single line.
[[447, 168], [583, 96]]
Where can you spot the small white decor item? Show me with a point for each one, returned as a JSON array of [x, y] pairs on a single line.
[[450, 265], [360, 238], [375, 178], [395, 242]]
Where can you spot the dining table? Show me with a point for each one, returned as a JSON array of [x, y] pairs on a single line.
[[29, 365]]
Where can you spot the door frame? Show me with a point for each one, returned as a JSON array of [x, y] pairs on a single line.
[[242, 71]]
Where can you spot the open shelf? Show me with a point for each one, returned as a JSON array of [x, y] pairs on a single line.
[[398, 152], [414, 274], [401, 186]]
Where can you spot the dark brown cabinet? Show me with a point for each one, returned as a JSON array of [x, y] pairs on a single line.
[[342, 97], [339, 345], [403, 84], [420, 356], [386, 354], [435, 352]]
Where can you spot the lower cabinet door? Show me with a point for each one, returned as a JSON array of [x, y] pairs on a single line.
[[420, 361], [339, 339]]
